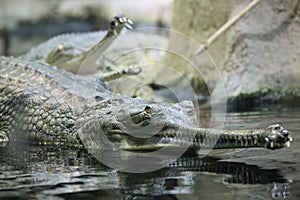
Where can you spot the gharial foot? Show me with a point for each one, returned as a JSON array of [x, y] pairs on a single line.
[[3, 139]]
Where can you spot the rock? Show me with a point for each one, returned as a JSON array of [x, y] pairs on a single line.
[[258, 57], [198, 20], [262, 61]]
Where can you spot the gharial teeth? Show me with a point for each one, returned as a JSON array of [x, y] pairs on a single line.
[[128, 26], [122, 19], [267, 139], [129, 21]]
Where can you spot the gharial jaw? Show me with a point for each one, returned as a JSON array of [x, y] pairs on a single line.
[[174, 135]]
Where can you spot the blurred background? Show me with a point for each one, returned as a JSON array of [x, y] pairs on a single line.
[[26, 23]]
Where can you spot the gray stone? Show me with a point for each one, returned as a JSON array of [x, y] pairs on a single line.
[[263, 54]]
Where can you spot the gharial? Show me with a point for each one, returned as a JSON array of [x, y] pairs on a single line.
[[45, 105], [70, 51]]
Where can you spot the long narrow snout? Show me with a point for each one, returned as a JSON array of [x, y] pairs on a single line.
[[274, 137]]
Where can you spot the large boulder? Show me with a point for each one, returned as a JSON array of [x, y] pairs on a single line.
[[258, 57], [263, 56]]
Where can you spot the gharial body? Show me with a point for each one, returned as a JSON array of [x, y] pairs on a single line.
[[45, 105]]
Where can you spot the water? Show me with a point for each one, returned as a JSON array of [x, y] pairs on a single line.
[[50, 173]]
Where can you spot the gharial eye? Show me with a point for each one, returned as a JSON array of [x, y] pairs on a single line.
[[148, 110], [113, 24]]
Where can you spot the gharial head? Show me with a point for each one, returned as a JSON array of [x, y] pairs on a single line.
[[278, 137], [118, 24], [137, 124]]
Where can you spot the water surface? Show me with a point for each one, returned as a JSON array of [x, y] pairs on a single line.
[[51, 173]]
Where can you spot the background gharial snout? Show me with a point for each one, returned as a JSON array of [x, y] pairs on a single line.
[[278, 137]]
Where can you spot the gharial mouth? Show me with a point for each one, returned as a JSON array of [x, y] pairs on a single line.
[[154, 137], [274, 137]]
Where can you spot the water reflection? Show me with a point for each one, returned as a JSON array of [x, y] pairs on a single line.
[[28, 172], [45, 172]]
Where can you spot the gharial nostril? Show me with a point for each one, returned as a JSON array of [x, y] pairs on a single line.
[[285, 133]]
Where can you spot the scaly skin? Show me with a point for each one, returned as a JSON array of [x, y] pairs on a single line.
[[49, 106]]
